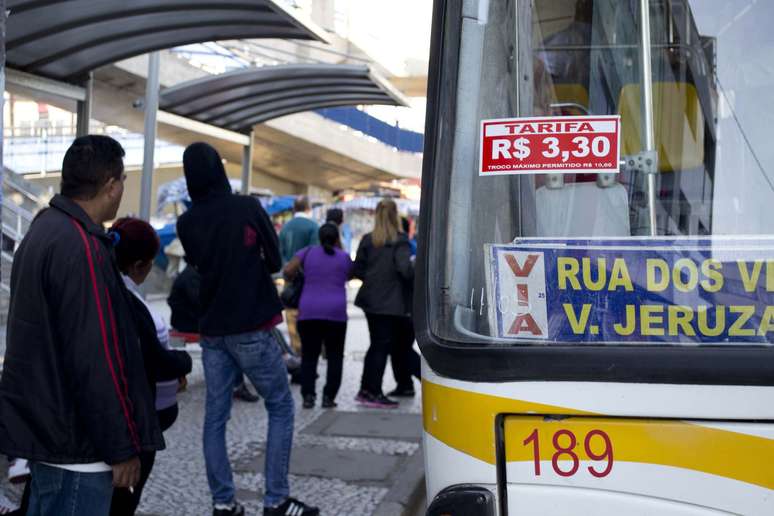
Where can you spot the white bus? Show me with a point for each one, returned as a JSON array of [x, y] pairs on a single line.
[[595, 299]]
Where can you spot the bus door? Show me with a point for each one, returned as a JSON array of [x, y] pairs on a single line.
[[597, 332]]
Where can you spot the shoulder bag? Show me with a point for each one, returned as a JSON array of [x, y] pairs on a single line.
[[291, 293]]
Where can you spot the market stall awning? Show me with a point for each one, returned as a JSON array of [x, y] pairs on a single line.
[[239, 100], [65, 39]]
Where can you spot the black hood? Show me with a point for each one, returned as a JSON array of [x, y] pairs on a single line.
[[204, 172]]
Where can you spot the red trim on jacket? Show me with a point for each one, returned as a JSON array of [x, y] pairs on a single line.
[[118, 354], [121, 395]]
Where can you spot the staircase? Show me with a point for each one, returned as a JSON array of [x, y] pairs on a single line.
[[21, 201]]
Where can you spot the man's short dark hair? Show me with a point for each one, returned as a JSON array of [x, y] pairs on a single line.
[[335, 215], [301, 204], [89, 163]]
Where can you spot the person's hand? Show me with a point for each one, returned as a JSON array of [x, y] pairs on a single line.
[[127, 474], [182, 384]]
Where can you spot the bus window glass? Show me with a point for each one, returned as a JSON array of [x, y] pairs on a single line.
[[679, 245]]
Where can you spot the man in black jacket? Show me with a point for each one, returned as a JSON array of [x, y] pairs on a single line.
[[231, 242], [74, 398]]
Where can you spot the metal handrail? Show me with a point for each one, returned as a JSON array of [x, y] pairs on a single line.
[[15, 231], [21, 212]]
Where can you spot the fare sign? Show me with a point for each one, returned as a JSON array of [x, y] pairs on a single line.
[[550, 145]]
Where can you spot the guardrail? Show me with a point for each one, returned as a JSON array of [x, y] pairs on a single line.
[[392, 135], [15, 223], [44, 152]]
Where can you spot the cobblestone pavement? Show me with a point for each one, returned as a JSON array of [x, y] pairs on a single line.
[[178, 484]]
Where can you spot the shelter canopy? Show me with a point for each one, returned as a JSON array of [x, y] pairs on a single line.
[[239, 100], [65, 39]]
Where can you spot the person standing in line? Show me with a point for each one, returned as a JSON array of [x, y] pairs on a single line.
[[336, 216], [322, 312], [405, 360], [186, 309], [137, 246], [231, 242], [384, 264], [406, 226], [298, 233], [74, 396]]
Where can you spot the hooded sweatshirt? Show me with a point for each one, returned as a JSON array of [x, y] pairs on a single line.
[[231, 242]]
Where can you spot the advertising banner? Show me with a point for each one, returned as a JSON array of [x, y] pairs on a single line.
[[563, 144], [681, 291]]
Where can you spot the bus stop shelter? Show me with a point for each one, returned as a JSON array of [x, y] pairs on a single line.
[[239, 100], [52, 46]]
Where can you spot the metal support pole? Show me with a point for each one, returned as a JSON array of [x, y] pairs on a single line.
[[247, 165], [646, 86], [151, 110], [84, 108]]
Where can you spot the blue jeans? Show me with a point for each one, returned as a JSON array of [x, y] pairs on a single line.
[[258, 355], [59, 492]]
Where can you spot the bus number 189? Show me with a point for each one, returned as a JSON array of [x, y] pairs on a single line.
[[564, 442]]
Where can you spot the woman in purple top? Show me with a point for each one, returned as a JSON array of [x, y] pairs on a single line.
[[322, 312]]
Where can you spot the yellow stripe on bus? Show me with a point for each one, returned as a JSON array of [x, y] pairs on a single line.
[[464, 421]]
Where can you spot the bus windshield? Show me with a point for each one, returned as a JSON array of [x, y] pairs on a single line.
[[674, 248]]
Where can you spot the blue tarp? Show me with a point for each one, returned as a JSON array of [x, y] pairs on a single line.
[[279, 204]]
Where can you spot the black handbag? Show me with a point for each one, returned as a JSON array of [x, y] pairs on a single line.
[[291, 292]]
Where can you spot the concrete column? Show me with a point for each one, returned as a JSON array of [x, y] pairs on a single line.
[[84, 108], [247, 165], [151, 110]]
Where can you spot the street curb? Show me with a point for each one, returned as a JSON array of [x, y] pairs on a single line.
[[406, 493]]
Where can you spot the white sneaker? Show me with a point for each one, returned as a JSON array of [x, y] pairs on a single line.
[[18, 471], [6, 505]]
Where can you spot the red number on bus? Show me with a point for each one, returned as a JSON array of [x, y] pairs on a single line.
[[565, 450], [607, 454], [533, 438], [569, 450]]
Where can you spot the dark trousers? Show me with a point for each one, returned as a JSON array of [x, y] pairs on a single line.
[[314, 334], [405, 361], [124, 502], [391, 335]]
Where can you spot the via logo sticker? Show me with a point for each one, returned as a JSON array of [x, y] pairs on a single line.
[[519, 304]]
